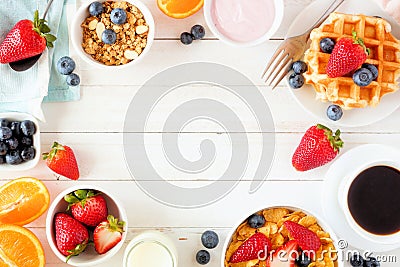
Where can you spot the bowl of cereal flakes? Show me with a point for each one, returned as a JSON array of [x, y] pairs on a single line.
[[288, 235], [113, 34]]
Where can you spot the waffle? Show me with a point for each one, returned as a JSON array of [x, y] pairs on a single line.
[[385, 55]]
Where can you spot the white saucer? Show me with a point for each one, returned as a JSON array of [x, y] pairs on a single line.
[[330, 204], [305, 96]]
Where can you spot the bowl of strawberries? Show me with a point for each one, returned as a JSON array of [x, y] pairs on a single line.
[[86, 225], [281, 236]]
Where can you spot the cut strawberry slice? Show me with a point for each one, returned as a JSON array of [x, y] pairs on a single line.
[[255, 247], [285, 256], [308, 241], [107, 234]]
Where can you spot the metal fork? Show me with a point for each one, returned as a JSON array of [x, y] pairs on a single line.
[[291, 50]]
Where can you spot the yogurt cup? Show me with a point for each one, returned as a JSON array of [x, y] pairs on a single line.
[[243, 22], [150, 249]]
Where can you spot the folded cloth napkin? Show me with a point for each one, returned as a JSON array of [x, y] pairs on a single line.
[[392, 7], [24, 91]]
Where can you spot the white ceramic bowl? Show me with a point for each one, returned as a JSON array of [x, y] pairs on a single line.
[[89, 257], [343, 195], [17, 116], [339, 262], [279, 9], [76, 33]]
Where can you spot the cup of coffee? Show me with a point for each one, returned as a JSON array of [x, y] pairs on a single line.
[[370, 200]]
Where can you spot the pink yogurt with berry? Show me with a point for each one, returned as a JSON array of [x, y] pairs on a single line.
[[243, 20]]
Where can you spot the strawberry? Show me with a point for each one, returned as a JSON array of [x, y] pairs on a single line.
[[71, 236], [87, 206], [26, 39], [255, 247], [61, 159], [347, 55], [308, 241], [107, 234], [285, 256], [317, 147]]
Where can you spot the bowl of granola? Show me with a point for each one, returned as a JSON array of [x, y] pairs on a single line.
[[285, 234], [113, 34]]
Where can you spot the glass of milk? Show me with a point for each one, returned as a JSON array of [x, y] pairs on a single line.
[[150, 249]]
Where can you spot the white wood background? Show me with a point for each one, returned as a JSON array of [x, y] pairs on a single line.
[[93, 126]]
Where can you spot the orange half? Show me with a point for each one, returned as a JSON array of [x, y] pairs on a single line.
[[23, 200], [179, 9], [20, 247]]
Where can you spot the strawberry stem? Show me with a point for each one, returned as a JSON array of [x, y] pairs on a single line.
[[40, 26], [334, 139], [360, 41], [54, 149], [77, 250]]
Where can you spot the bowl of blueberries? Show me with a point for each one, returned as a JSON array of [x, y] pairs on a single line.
[[19, 141]]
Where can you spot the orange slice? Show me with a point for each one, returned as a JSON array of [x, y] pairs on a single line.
[[23, 200], [179, 9], [20, 247]]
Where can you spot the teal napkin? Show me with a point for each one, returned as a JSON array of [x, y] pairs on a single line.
[[25, 91], [59, 91]]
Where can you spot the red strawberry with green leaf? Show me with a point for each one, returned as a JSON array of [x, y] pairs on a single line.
[[71, 236], [61, 159], [347, 55], [285, 256], [87, 206], [308, 241], [317, 147], [26, 39], [255, 247], [108, 234]]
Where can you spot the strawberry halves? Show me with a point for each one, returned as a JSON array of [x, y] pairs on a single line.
[[255, 247]]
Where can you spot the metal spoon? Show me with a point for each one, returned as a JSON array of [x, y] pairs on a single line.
[[27, 63]]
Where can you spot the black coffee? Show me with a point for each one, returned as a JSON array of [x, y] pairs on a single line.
[[374, 200]]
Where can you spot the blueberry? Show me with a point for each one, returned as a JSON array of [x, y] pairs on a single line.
[[15, 127], [209, 239], [372, 68], [334, 112], [203, 257], [2, 160], [256, 221], [198, 32], [95, 8], [65, 65], [4, 123], [108, 36], [118, 16], [299, 67], [296, 80], [26, 141], [362, 77], [186, 38], [327, 45], [73, 79], [357, 260], [12, 143], [28, 153], [5, 133], [28, 128], [371, 262], [13, 157], [3, 148], [303, 260]]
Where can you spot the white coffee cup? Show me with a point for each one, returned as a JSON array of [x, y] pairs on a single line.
[[150, 249], [343, 202]]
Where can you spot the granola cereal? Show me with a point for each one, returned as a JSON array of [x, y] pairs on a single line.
[[278, 235], [131, 35]]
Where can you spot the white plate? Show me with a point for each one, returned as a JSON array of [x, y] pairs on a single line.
[[306, 95], [344, 165]]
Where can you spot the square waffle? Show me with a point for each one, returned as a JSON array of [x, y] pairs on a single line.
[[384, 54]]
